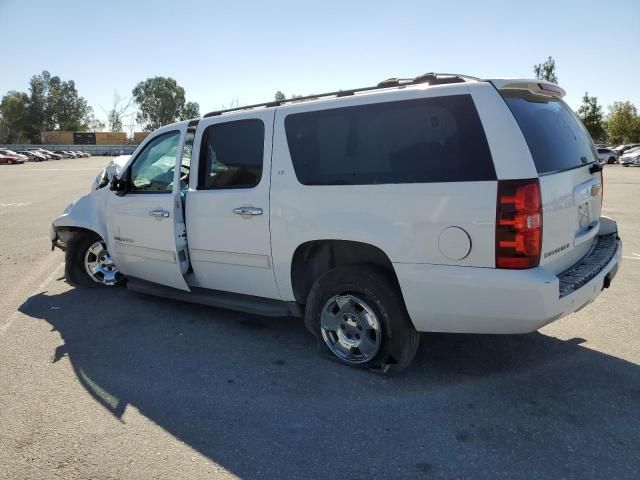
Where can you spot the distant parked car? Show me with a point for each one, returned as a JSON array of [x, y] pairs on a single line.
[[606, 155], [11, 153], [10, 159], [631, 157], [621, 149], [48, 153], [34, 156], [63, 153], [81, 154]]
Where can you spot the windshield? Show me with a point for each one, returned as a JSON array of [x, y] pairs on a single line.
[[556, 137]]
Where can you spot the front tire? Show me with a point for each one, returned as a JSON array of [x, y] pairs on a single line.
[[88, 262], [358, 316], [612, 160]]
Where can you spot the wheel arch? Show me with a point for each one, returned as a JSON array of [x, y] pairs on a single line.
[[313, 258], [86, 214]]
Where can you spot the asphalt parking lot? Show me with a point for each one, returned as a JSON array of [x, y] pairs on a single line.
[[110, 384]]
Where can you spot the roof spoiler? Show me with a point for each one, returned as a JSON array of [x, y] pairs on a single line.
[[537, 87]]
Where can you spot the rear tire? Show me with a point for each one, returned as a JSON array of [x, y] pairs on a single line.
[[359, 318], [88, 263]]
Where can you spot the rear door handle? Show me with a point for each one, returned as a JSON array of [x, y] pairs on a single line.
[[159, 213], [247, 211]]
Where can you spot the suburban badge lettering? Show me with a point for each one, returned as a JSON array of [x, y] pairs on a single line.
[[557, 250]]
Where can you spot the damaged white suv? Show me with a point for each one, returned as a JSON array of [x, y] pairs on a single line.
[[443, 203]]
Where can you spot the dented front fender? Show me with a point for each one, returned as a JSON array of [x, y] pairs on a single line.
[[87, 212]]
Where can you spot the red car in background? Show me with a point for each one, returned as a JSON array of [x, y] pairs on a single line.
[[10, 160]]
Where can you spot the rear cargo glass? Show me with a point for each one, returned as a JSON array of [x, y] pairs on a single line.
[[557, 139], [412, 141]]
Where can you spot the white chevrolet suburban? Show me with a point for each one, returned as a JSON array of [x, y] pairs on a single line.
[[443, 203]]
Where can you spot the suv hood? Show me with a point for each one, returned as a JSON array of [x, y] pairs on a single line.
[[117, 164], [113, 169]]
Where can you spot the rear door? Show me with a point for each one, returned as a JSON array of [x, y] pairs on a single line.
[[227, 205], [570, 181]]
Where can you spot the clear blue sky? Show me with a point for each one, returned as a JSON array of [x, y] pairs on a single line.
[[246, 50]]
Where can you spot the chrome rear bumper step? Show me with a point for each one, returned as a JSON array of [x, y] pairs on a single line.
[[590, 266]]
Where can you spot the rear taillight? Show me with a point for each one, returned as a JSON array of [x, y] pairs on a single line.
[[518, 224]]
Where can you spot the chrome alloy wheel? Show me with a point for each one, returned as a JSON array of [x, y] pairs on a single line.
[[100, 266], [350, 328]]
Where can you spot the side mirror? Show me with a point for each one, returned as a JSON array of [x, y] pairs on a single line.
[[119, 186]]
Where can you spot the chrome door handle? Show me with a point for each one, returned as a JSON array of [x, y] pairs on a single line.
[[247, 211], [159, 213]]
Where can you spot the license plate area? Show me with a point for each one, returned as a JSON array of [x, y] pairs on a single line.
[[584, 215]]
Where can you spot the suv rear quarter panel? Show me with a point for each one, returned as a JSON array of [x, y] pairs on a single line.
[[403, 220], [511, 156]]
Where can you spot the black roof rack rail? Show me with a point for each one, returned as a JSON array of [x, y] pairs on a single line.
[[429, 78]]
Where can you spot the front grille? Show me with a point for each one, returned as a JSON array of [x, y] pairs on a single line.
[[590, 265]]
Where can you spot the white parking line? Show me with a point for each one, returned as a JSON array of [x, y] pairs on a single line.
[[17, 204], [631, 258]]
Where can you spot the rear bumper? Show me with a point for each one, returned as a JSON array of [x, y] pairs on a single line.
[[486, 300]]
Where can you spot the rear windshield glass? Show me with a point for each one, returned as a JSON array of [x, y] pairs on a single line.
[[556, 137], [413, 141]]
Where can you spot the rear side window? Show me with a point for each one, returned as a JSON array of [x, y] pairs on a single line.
[[415, 141], [557, 139], [231, 155]]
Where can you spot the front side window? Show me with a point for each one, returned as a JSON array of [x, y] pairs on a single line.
[[426, 140], [231, 155], [152, 170]]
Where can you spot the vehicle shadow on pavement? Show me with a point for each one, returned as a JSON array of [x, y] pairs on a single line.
[[252, 394]]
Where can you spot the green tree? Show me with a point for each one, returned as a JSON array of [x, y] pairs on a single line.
[[279, 96], [590, 112], [38, 99], [54, 104], [623, 124], [190, 110], [546, 70], [14, 116], [161, 101], [66, 110]]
